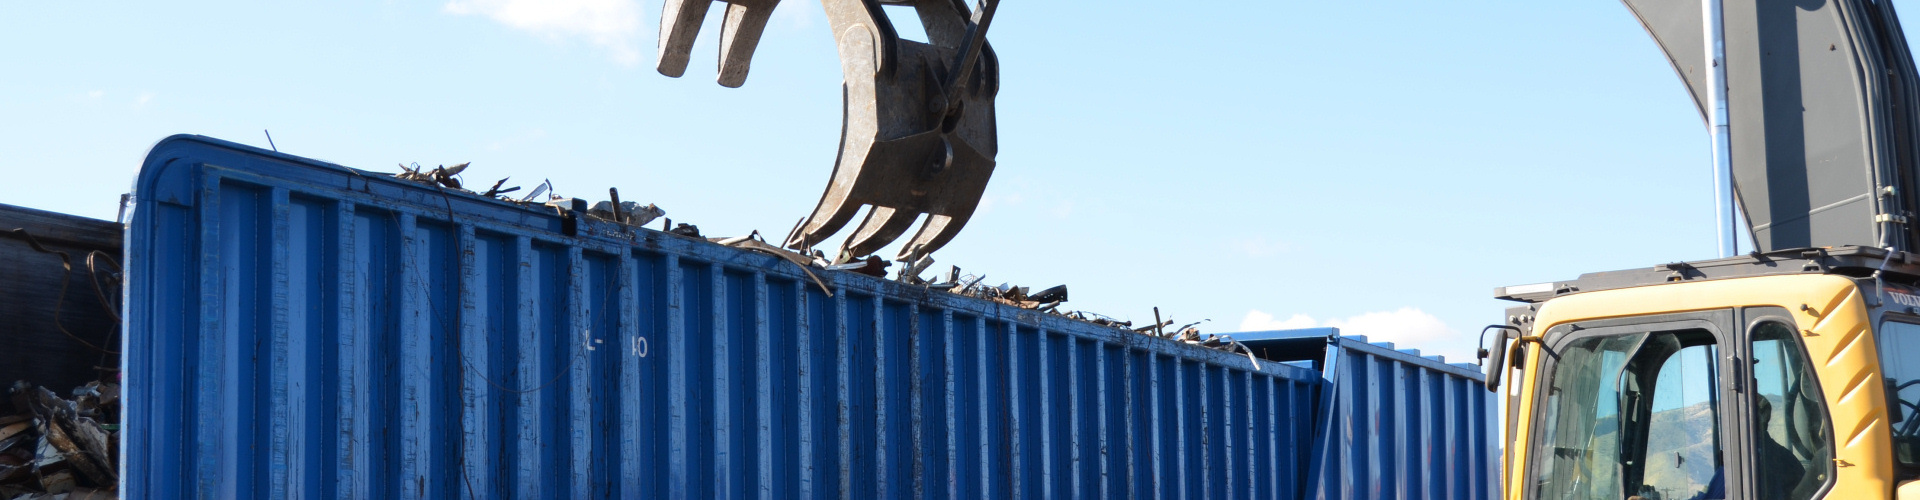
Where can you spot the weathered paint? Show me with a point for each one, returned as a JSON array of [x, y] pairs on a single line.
[[303, 329]]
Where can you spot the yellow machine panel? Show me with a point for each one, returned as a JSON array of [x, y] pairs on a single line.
[[1834, 325]]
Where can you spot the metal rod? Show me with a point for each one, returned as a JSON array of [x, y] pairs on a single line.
[[970, 49], [1716, 48]]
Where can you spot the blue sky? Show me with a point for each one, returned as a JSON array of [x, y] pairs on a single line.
[[1261, 164]]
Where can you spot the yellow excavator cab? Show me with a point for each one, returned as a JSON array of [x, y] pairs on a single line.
[[1789, 375]]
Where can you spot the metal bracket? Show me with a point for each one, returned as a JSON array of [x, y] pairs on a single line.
[[1816, 260]]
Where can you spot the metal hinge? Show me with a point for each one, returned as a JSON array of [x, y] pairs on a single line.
[[1897, 219]]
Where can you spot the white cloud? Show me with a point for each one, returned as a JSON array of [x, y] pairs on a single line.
[[144, 98], [1406, 325], [1259, 246], [1406, 328], [612, 24], [96, 94], [1260, 321]]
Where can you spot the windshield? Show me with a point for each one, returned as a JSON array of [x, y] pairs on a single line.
[[1633, 414], [1640, 415], [1899, 345]]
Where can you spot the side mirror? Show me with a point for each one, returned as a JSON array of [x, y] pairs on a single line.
[[1498, 353]]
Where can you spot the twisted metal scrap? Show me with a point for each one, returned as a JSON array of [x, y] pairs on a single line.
[[918, 136]]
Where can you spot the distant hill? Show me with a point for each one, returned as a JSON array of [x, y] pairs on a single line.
[[1680, 450]]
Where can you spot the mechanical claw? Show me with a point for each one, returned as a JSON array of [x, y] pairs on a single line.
[[918, 136]]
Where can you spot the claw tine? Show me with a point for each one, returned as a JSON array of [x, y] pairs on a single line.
[[935, 233], [837, 205], [833, 213], [739, 34], [679, 23], [883, 225], [822, 224]]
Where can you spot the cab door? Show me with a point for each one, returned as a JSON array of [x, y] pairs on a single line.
[[1789, 430]]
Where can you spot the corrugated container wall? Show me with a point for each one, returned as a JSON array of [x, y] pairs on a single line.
[[300, 329], [1394, 424]]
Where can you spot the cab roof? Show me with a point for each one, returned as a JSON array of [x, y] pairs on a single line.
[[1854, 261]]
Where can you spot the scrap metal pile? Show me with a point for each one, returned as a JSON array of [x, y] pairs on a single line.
[[54, 447], [919, 139], [632, 216]]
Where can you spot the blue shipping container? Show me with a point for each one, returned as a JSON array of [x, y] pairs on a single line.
[[1393, 424], [301, 329]]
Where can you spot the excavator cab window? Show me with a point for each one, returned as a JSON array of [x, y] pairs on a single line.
[[1640, 411], [1632, 414], [1792, 445], [1899, 344]]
